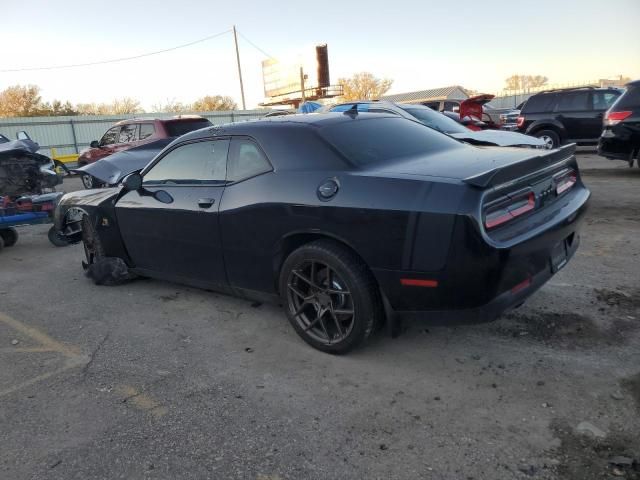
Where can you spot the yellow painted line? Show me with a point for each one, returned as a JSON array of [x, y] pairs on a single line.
[[42, 338], [73, 355], [141, 400], [69, 365]]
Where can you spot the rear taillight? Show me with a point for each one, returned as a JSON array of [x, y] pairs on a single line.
[[520, 121], [507, 208], [566, 181], [611, 118]]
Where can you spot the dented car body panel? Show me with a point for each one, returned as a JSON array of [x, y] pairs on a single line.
[[432, 213]]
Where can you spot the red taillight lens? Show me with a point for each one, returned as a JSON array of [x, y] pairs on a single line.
[[520, 121], [510, 209], [614, 117], [566, 182]]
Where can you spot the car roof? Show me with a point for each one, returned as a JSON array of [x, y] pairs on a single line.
[[300, 120], [177, 118], [575, 89]]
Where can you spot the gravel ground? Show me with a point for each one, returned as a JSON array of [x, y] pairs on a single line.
[[160, 381]]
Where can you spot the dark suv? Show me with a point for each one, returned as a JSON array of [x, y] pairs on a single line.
[[572, 115], [620, 138]]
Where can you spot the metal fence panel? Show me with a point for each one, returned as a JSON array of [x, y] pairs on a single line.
[[72, 134]]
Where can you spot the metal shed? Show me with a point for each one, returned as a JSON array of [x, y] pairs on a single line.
[[455, 92]]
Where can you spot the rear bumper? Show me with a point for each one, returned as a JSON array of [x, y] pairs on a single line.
[[615, 147], [480, 281], [493, 309]]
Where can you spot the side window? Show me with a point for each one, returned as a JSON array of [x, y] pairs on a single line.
[[199, 162], [573, 102], [111, 136], [451, 106], [146, 130], [542, 102], [603, 100], [246, 160], [128, 133]]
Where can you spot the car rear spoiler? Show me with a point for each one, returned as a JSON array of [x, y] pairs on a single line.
[[534, 164]]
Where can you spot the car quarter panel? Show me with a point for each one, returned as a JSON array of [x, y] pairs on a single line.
[[378, 217]]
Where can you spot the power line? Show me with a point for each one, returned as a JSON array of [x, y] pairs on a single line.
[[114, 60], [255, 46]]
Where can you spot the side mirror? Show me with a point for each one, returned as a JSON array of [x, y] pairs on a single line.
[[466, 120], [132, 182], [22, 135], [94, 144]]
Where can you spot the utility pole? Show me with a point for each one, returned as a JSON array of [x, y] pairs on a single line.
[[235, 38], [302, 84]]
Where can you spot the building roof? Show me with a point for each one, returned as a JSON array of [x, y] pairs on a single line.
[[444, 93]]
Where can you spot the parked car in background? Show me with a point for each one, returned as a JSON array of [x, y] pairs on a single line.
[[346, 219], [442, 123], [132, 133], [620, 138], [509, 119], [571, 115], [443, 105]]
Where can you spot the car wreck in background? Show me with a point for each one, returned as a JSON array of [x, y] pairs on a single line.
[[27, 183], [23, 170]]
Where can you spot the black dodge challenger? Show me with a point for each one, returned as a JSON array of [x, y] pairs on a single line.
[[349, 219]]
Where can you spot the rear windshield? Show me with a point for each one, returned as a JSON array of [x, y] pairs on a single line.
[[436, 120], [629, 99], [369, 141], [175, 128], [543, 102]]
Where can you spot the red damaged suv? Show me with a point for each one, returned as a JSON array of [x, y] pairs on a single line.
[[132, 133]]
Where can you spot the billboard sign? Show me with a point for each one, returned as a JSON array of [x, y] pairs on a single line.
[[283, 77]]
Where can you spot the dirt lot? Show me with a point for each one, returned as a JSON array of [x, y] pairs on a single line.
[[155, 380]]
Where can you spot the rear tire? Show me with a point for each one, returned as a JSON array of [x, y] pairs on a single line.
[[9, 237], [550, 138], [330, 296]]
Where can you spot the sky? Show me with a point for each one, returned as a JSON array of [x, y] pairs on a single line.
[[419, 44]]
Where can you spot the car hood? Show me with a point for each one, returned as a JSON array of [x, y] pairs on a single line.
[[115, 167], [499, 138], [19, 145]]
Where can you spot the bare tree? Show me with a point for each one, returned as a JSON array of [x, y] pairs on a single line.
[[364, 86], [214, 102], [172, 106], [20, 101], [525, 82]]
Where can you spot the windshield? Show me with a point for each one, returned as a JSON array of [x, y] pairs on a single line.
[[368, 141], [436, 120]]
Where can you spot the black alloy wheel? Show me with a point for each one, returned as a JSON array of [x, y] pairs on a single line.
[[330, 296], [93, 249]]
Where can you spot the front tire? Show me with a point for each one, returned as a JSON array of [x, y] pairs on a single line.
[[88, 181], [550, 138], [330, 296]]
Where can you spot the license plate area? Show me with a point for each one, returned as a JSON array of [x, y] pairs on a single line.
[[559, 255]]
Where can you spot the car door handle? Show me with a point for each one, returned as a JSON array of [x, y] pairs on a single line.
[[206, 202]]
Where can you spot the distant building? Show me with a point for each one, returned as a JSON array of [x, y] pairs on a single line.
[[431, 97]]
